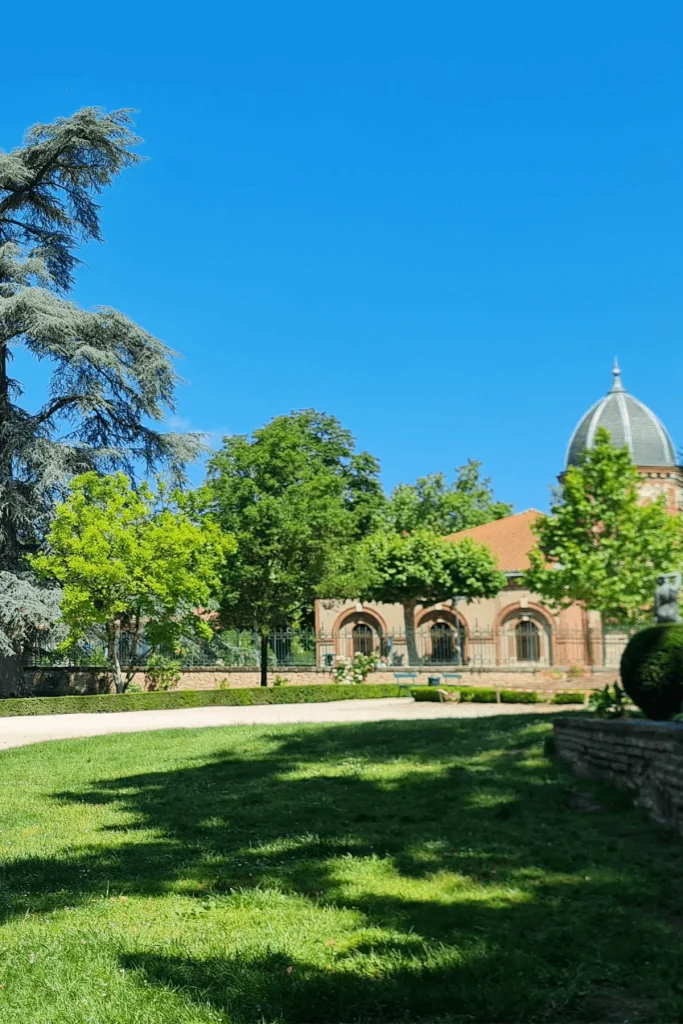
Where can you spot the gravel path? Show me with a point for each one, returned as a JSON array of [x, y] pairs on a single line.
[[19, 731]]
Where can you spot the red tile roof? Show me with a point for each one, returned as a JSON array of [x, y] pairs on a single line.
[[510, 539]]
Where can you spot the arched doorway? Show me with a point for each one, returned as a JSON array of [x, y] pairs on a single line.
[[442, 643], [441, 638], [359, 632], [525, 638], [527, 641], [362, 639]]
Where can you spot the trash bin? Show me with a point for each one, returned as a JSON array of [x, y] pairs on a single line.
[[434, 680]]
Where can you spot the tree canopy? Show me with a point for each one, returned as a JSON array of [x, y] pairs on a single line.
[[601, 545], [294, 494], [132, 560], [433, 504], [111, 382]]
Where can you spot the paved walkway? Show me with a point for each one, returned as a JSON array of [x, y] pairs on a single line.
[[19, 731]]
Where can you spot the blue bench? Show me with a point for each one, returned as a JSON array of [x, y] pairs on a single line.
[[404, 679]]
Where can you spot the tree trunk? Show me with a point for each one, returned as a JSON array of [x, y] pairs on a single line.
[[11, 675], [133, 651], [409, 625], [264, 659], [11, 665], [588, 633], [113, 655]]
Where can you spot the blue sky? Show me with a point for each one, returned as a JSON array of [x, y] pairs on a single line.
[[438, 223]]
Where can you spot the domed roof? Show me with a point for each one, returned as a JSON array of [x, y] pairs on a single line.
[[631, 425]]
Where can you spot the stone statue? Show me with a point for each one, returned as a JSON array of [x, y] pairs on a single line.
[[666, 597]]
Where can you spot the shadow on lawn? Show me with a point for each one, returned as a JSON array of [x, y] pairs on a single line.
[[591, 900]]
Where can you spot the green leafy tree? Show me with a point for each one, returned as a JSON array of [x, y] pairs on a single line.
[[111, 383], [420, 568], [600, 545], [131, 560], [434, 504], [294, 495]]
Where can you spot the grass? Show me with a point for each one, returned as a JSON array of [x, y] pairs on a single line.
[[434, 871]]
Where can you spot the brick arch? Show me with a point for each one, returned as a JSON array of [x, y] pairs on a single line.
[[446, 614], [350, 618], [431, 616], [515, 611], [517, 606], [350, 615]]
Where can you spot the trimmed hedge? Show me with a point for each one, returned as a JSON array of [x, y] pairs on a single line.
[[426, 693], [108, 702], [312, 694], [519, 697], [476, 696], [485, 696], [652, 670]]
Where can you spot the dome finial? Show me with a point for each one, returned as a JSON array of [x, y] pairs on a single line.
[[616, 374]]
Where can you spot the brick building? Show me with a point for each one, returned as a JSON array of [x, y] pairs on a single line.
[[514, 629]]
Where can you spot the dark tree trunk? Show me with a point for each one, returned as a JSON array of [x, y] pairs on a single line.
[[264, 659], [11, 675], [11, 665]]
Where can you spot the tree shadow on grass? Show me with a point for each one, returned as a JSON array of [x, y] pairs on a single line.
[[494, 899]]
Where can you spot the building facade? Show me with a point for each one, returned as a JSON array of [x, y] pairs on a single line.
[[514, 629]]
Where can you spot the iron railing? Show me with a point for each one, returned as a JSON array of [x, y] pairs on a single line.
[[479, 647]]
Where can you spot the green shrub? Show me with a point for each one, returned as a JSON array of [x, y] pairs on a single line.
[[576, 672], [519, 697], [426, 693], [478, 696], [166, 700], [161, 673], [608, 703], [568, 698], [652, 670]]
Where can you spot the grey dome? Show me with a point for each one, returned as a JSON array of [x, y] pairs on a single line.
[[631, 425]]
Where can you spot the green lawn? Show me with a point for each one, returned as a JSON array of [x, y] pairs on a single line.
[[379, 872]]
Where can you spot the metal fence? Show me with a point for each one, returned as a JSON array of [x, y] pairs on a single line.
[[523, 645]]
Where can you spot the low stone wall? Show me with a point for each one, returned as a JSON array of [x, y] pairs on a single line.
[[61, 682], [52, 682], [643, 757]]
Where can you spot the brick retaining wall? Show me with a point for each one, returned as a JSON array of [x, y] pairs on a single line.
[[643, 757], [49, 682]]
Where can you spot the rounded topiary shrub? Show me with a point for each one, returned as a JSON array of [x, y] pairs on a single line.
[[652, 670]]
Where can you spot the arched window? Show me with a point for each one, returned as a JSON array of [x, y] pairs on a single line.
[[363, 639], [527, 641], [442, 643]]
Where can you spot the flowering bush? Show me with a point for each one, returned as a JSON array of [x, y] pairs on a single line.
[[354, 670]]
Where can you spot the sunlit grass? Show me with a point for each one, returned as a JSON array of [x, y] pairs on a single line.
[[379, 872]]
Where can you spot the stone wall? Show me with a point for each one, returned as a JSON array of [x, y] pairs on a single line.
[[49, 682], [643, 757]]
